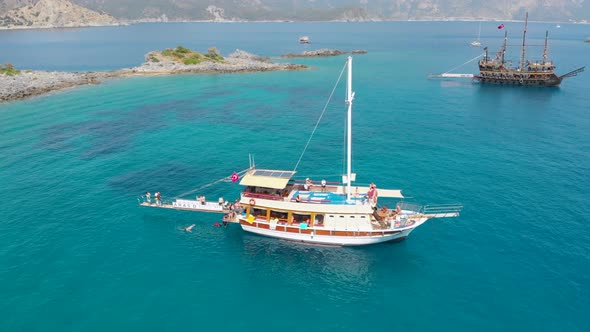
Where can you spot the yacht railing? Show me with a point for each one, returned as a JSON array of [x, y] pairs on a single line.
[[442, 210], [405, 206], [432, 211]]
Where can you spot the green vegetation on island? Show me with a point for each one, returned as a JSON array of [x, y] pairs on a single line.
[[179, 60], [8, 69], [189, 57]]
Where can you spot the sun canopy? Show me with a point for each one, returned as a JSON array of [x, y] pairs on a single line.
[[267, 178], [392, 193]]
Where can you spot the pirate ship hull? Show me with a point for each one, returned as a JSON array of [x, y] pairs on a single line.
[[528, 73], [513, 77]]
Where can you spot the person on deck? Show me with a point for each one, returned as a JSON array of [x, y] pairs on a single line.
[[323, 185], [307, 186], [148, 197], [372, 195]]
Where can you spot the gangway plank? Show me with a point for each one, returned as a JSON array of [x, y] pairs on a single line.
[[450, 75], [191, 205]]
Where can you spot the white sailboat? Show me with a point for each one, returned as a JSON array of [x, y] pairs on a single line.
[[477, 42], [329, 214], [274, 204]]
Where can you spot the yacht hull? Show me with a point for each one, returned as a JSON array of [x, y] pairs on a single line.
[[326, 237], [552, 80]]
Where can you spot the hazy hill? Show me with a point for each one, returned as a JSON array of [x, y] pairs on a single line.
[[309, 10], [11, 4], [326, 10], [53, 13]]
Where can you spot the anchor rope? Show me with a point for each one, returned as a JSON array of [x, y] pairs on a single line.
[[320, 118], [227, 178], [461, 65]]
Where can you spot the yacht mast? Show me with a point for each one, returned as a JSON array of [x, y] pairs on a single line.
[[545, 49], [349, 98], [504, 47], [502, 51], [522, 55]]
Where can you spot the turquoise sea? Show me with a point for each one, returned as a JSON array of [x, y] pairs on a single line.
[[78, 254]]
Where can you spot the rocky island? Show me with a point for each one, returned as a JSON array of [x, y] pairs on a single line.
[[320, 53], [18, 84], [182, 60]]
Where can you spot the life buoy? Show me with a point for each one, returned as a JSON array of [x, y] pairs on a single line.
[[252, 201]]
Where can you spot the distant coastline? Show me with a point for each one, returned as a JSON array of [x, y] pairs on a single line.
[[47, 14], [62, 27], [148, 21]]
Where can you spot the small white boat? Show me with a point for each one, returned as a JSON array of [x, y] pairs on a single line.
[[477, 43], [304, 40]]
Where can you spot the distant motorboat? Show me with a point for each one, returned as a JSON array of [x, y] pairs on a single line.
[[587, 40], [304, 40]]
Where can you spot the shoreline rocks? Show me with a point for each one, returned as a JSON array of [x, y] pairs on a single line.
[[320, 53], [32, 83]]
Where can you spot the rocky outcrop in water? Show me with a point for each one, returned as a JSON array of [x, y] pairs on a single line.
[[30, 83], [22, 84], [320, 53], [240, 61]]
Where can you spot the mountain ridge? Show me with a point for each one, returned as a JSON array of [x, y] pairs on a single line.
[[52, 14], [311, 10], [343, 10]]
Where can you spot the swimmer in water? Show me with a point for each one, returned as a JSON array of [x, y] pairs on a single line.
[[189, 228]]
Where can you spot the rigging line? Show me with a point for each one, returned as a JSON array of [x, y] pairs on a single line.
[[320, 118], [459, 66], [344, 133], [227, 178]]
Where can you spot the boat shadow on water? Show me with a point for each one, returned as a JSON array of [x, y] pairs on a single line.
[[325, 264], [489, 94]]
